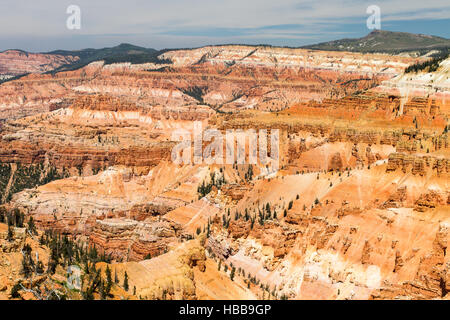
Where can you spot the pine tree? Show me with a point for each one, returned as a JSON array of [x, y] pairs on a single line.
[[39, 268], [233, 270], [31, 226], [20, 217], [10, 236], [27, 261], [108, 280], [15, 290], [291, 203], [125, 282], [102, 290]]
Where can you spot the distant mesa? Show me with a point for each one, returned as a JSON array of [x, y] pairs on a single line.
[[386, 41], [17, 63]]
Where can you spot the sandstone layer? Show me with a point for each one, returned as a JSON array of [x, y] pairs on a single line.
[[357, 207]]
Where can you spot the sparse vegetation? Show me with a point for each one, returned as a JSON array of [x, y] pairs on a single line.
[[26, 177], [428, 66], [206, 187]]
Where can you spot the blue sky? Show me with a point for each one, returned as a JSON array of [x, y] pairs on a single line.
[[41, 25]]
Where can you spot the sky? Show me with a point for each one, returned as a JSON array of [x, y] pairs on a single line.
[[41, 26]]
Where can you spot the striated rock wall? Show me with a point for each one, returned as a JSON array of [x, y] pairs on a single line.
[[16, 62], [129, 240], [170, 276], [357, 210], [418, 164], [228, 78]]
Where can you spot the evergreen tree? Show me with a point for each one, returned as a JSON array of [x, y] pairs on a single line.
[[31, 226], [108, 280], [27, 261], [102, 289], [15, 291], [233, 270], [125, 282], [19, 218], [39, 268], [10, 236]]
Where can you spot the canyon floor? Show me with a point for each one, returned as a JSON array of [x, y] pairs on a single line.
[[357, 207]]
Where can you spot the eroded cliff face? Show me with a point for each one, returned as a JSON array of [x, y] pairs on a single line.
[[422, 84], [16, 62], [363, 234], [167, 277], [227, 78], [357, 210]]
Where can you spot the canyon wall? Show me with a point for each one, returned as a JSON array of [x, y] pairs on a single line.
[[357, 209]]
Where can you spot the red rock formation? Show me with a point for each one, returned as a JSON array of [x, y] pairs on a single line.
[[16, 62], [358, 208], [129, 240]]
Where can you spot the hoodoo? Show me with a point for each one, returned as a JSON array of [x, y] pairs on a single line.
[[227, 172]]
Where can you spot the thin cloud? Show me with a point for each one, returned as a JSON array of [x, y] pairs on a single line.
[[155, 23]]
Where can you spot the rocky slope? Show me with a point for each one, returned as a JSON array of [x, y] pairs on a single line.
[[227, 78], [16, 62], [387, 41], [358, 208], [421, 84]]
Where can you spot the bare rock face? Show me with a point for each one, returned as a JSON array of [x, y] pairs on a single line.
[[417, 164], [336, 162], [421, 84], [225, 78], [195, 257], [129, 240], [235, 192], [11, 263], [430, 280], [357, 209], [169, 276], [428, 201], [113, 237], [220, 246], [396, 199], [16, 62]]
